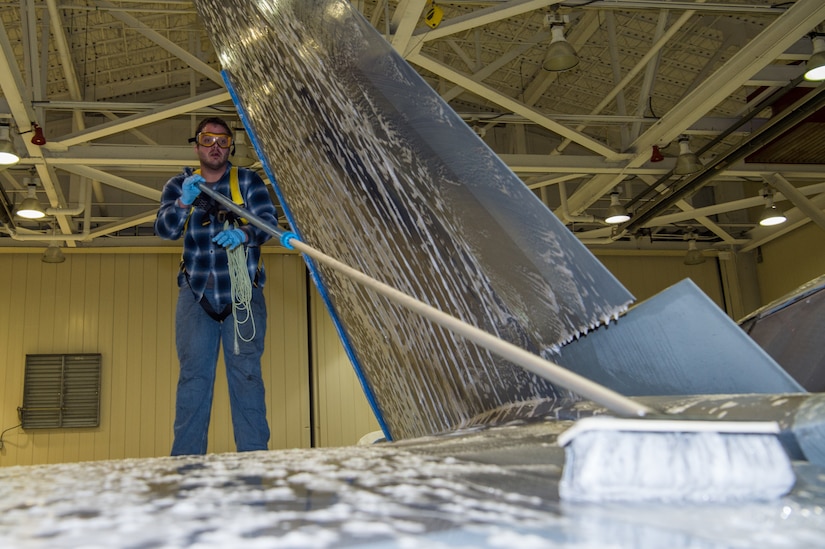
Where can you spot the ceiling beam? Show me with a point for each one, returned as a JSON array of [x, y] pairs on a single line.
[[786, 30], [403, 23], [510, 104], [132, 23], [749, 60], [483, 17], [116, 181], [183, 106]]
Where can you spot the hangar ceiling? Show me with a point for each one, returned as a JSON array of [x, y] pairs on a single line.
[[117, 86]]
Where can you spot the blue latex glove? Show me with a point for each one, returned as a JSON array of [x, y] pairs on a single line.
[[190, 190], [230, 238]]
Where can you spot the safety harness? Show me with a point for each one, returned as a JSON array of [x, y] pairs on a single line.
[[237, 198]]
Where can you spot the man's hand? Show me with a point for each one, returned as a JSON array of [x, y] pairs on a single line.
[[190, 189], [230, 238]]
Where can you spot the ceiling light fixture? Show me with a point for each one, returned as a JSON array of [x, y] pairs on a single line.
[[772, 214], [693, 256], [53, 254], [815, 67], [7, 154], [560, 55], [656, 155], [687, 162], [616, 213], [30, 208]]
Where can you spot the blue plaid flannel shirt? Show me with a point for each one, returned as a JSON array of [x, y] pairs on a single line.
[[203, 259]]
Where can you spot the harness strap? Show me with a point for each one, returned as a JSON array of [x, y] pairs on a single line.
[[237, 198], [217, 316], [204, 302], [235, 190]]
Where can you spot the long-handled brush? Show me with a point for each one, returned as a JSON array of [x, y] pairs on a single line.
[[642, 456], [671, 459]]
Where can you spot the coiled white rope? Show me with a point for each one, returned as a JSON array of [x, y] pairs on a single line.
[[241, 291]]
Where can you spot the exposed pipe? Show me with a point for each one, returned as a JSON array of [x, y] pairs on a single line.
[[71, 212], [603, 241], [6, 209], [565, 212], [650, 4], [676, 5]]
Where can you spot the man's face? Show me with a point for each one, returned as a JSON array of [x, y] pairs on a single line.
[[213, 156]]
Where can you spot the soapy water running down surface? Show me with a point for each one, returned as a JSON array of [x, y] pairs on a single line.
[[374, 169]]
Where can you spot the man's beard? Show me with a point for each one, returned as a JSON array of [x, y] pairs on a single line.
[[214, 163]]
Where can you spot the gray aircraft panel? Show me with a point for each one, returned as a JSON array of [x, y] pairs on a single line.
[[790, 329], [675, 343], [374, 169]]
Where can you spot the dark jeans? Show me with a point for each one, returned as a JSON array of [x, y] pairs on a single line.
[[198, 338]]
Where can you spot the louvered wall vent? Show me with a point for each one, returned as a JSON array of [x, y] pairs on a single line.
[[61, 391]]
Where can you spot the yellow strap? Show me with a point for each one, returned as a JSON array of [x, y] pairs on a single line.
[[237, 198], [234, 190]]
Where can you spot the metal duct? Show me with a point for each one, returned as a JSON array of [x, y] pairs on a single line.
[[6, 209]]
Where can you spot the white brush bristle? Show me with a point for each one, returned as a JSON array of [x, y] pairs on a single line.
[[605, 466]]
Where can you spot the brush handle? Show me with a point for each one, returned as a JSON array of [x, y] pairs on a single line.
[[550, 371]]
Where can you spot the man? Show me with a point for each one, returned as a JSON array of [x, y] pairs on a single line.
[[203, 318]]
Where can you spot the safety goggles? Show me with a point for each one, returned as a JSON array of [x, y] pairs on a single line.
[[206, 139]]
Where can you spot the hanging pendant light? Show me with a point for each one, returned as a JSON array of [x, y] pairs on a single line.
[[7, 154], [772, 214], [244, 155], [561, 56], [815, 67], [30, 208], [53, 254], [687, 162], [616, 213], [694, 256]]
